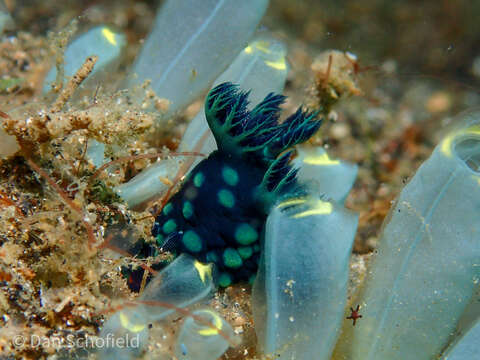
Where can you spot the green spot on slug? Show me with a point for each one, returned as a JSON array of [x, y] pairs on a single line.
[[251, 279], [187, 210], [198, 179], [192, 241], [226, 198], [169, 226], [245, 252], [231, 258], [245, 234], [224, 280], [230, 176], [167, 209]]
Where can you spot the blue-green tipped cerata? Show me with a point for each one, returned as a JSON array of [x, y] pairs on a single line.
[[219, 213]]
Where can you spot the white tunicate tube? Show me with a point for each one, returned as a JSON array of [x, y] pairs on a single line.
[[150, 183], [191, 43], [300, 291], [101, 41], [183, 282], [326, 176], [200, 341], [427, 266]]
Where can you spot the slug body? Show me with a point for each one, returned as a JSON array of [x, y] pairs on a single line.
[[219, 213]]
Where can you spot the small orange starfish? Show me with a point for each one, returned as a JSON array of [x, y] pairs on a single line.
[[355, 315]]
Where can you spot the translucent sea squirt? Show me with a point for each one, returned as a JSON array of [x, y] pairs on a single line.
[[300, 291], [426, 270], [191, 43]]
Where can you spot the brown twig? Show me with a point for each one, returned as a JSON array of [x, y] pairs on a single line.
[[327, 73], [82, 158], [74, 83]]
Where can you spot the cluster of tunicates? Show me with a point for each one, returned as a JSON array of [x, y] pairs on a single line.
[[420, 298], [421, 292]]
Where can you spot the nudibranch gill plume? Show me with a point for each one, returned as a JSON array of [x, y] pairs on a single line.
[[219, 212]]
